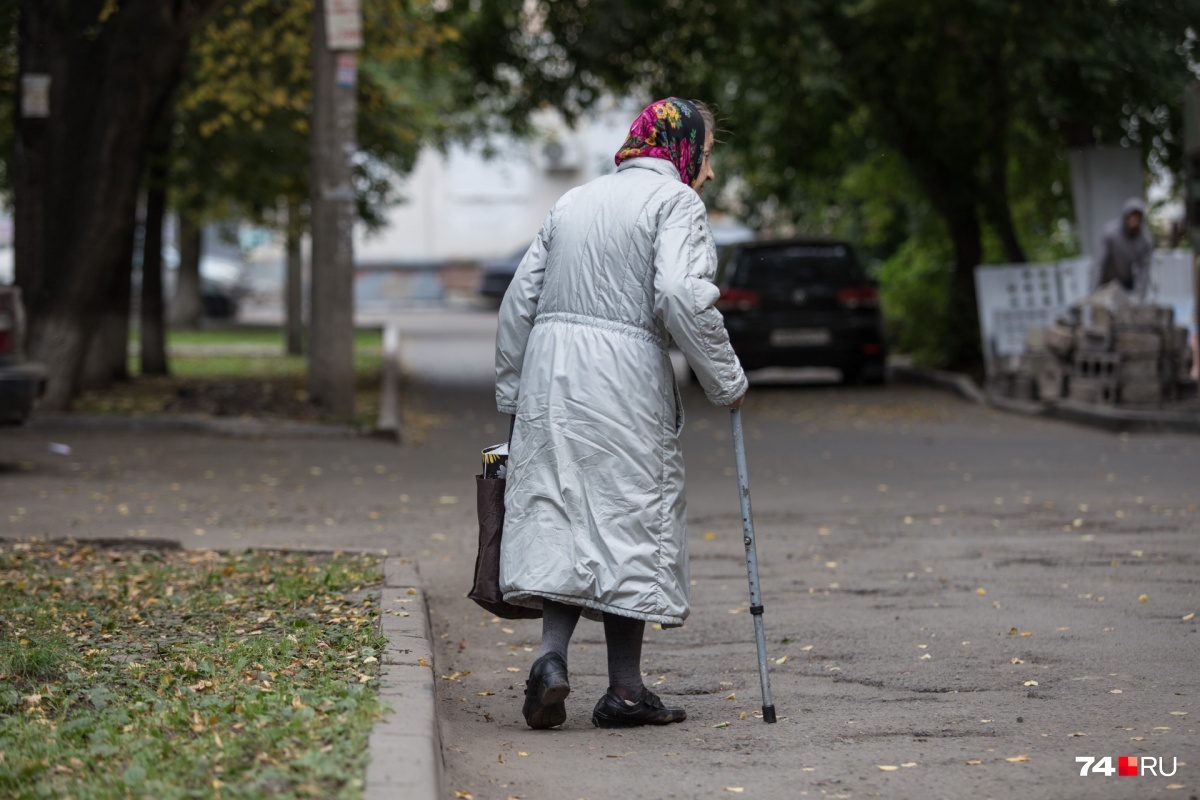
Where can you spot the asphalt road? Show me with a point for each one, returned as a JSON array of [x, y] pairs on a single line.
[[954, 596]]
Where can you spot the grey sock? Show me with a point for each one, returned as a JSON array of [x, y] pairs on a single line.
[[558, 623], [624, 638]]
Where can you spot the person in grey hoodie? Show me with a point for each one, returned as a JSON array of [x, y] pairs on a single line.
[[1125, 251], [595, 516]]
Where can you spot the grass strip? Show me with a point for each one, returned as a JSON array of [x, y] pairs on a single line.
[[185, 673]]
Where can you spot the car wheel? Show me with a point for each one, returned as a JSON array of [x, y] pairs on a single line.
[[870, 373]]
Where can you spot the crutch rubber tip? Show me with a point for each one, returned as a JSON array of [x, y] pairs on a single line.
[[768, 713]]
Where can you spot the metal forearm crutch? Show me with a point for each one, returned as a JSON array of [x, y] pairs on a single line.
[[756, 607]]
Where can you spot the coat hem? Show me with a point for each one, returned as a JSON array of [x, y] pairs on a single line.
[[592, 609]]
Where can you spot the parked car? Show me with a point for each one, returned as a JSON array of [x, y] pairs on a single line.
[[21, 382], [498, 274], [802, 303]]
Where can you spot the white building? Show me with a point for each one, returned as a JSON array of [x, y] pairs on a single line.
[[463, 205]]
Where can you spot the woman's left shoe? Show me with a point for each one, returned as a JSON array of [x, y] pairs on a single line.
[[545, 692], [615, 712]]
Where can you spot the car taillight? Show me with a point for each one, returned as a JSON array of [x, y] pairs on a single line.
[[738, 300], [8, 331], [858, 297]]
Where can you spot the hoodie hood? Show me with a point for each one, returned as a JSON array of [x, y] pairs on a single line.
[[1131, 205]]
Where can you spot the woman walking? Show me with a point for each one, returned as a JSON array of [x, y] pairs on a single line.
[[595, 517]]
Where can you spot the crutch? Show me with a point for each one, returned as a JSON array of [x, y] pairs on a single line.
[[756, 607]]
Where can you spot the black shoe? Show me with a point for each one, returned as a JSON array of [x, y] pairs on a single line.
[[545, 692], [613, 712]]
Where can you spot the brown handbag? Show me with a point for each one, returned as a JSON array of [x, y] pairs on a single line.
[[486, 591]]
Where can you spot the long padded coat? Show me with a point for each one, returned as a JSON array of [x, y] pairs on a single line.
[[594, 509]]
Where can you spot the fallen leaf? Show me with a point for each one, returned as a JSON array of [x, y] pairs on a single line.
[[463, 795], [808, 769], [507, 630], [926, 657], [734, 789], [615, 755], [887, 767], [721, 725], [806, 648], [1137, 738], [909, 764], [981, 591], [1015, 660], [488, 693], [1076, 735], [742, 715], [1030, 683], [522, 753], [709, 535], [500, 757], [1176, 786], [1026, 633], [974, 761], [1178, 713], [1188, 617], [1114, 691], [781, 660], [731, 696], [513, 669], [423, 663], [1017, 759], [1143, 598]]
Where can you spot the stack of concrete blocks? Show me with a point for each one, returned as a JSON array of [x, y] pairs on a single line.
[[1106, 350]]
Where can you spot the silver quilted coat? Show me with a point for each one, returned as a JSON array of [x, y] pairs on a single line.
[[594, 510]]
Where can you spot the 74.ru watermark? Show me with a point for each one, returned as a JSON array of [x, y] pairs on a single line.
[[1127, 766]]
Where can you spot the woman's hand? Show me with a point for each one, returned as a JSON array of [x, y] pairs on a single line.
[[737, 403]]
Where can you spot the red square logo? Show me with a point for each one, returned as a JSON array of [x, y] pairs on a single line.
[[1127, 766]]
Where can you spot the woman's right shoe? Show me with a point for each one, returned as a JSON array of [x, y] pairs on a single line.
[[545, 692], [613, 711]]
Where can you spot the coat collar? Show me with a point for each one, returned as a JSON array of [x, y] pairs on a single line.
[[659, 165]]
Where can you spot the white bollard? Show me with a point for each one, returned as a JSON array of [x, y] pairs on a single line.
[[389, 394]]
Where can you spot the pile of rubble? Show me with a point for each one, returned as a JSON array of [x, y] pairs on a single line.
[[1107, 350]]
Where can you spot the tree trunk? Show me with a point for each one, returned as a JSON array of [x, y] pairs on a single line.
[[153, 328], [107, 357], [77, 173], [187, 306], [965, 352], [294, 284], [331, 339]]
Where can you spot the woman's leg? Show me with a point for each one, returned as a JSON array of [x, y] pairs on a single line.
[[548, 686], [558, 623], [623, 636], [628, 702]]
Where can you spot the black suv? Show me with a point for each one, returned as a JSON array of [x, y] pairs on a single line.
[[21, 382], [802, 303]]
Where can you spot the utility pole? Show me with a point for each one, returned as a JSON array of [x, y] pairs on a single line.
[[337, 35]]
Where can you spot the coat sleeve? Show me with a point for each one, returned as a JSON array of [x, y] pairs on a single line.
[[1103, 254], [517, 313], [1141, 268], [685, 262]]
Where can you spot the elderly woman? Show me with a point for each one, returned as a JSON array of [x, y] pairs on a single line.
[[595, 517]]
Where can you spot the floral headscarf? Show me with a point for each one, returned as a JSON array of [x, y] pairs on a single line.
[[670, 129]]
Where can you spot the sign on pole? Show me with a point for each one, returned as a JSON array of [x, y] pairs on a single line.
[[343, 25]]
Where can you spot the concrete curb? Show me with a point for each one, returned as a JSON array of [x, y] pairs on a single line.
[[194, 423], [405, 747], [955, 382], [1116, 420]]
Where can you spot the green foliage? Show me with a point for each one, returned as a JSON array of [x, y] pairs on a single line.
[[242, 136], [189, 673], [967, 107]]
